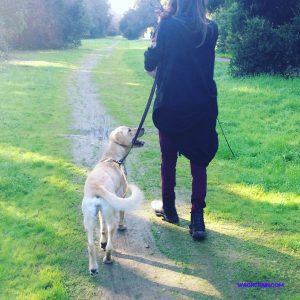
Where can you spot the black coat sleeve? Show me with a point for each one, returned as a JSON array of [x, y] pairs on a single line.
[[153, 56]]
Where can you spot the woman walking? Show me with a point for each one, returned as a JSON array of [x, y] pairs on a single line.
[[185, 109]]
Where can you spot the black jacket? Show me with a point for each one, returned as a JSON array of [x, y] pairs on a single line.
[[186, 101]]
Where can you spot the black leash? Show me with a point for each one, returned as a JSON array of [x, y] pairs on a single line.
[[226, 138], [121, 162]]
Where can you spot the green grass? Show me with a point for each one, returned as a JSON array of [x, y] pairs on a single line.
[[253, 200], [223, 54], [42, 250]]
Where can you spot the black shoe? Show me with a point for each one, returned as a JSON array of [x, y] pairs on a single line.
[[168, 214], [197, 227]]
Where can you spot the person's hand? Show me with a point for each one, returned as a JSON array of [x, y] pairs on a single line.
[[152, 73], [159, 14]]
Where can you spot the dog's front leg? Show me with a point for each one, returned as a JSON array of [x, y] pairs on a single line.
[[103, 231]]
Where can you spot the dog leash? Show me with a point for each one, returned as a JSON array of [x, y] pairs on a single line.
[[121, 161], [223, 132]]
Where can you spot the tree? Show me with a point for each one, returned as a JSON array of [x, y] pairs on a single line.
[[12, 23], [130, 26], [43, 24], [138, 19], [97, 18], [48, 24], [114, 25], [277, 12]]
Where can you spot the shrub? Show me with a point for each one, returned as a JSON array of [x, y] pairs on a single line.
[[289, 35], [253, 49], [213, 5], [277, 12], [261, 48]]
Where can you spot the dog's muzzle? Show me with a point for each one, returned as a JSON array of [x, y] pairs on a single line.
[[139, 143]]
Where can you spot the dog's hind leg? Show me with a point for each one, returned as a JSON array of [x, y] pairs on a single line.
[[111, 226], [121, 226], [111, 230], [103, 231], [89, 224]]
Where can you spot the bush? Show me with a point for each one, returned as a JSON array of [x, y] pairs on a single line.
[[261, 48], [277, 12], [289, 35], [253, 49], [213, 5]]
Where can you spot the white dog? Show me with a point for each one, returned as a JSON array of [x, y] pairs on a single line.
[[104, 194]]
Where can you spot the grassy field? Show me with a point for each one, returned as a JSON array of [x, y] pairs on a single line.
[[253, 201], [42, 250]]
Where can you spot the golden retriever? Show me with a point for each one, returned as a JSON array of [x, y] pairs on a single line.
[[104, 194]]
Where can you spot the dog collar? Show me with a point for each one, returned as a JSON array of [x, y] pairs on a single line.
[[123, 169], [110, 160], [120, 164]]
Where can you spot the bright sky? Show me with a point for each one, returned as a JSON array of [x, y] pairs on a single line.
[[120, 6]]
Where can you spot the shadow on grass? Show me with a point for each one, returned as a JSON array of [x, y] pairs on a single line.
[[136, 285], [230, 260], [36, 243]]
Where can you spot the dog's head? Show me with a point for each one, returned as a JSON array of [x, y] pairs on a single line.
[[124, 136]]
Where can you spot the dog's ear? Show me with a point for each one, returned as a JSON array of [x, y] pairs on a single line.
[[118, 137]]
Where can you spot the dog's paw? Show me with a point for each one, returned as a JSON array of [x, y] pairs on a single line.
[[122, 228], [103, 245], [107, 261], [94, 272]]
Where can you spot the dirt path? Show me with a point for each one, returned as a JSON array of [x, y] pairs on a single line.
[[140, 271]]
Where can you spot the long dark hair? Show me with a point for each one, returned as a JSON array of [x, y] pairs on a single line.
[[170, 9], [195, 11]]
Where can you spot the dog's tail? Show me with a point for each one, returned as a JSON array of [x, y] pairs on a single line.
[[123, 204]]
